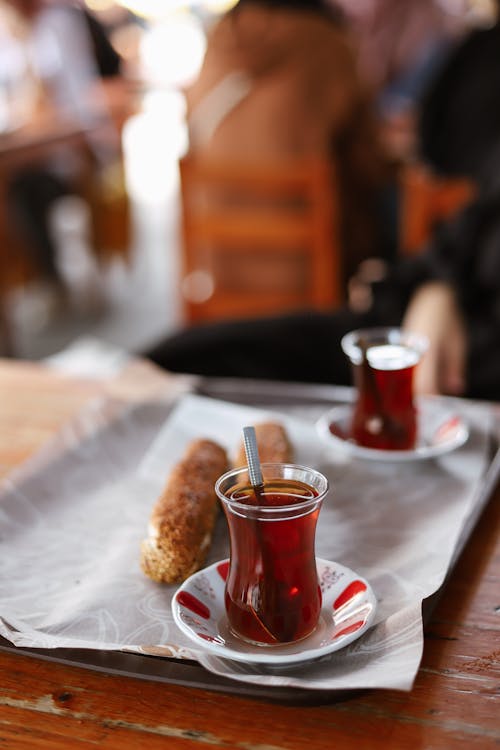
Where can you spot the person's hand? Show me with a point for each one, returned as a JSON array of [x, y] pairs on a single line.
[[433, 312]]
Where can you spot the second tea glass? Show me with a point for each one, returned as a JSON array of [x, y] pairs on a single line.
[[383, 361]]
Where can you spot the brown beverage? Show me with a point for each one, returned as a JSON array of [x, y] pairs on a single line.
[[384, 362], [385, 416]]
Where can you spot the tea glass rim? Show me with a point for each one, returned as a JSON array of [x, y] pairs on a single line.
[[266, 510], [382, 334]]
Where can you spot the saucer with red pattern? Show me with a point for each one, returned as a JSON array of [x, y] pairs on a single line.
[[348, 610], [440, 430]]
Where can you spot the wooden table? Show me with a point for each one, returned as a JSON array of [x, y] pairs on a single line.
[[455, 702]]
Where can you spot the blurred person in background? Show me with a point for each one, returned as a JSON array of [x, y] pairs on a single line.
[[399, 47], [450, 292], [279, 82], [66, 53], [459, 123]]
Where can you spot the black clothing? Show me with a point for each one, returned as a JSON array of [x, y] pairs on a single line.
[[302, 346], [108, 61], [460, 112]]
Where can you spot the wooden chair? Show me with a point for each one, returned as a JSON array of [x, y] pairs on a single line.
[[257, 239], [428, 199]]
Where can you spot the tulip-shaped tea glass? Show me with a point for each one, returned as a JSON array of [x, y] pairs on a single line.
[[383, 362], [272, 594]]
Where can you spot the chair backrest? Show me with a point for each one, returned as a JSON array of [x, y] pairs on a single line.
[[258, 239], [426, 200]]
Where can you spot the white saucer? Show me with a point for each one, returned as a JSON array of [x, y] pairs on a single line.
[[440, 430], [348, 610]]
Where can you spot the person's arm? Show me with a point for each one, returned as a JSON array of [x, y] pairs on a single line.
[[451, 291], [433, 311]]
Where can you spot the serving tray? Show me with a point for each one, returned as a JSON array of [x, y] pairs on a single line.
[[294, 399]]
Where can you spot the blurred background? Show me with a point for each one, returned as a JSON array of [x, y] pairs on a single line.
[[132, 298], [116, 234]]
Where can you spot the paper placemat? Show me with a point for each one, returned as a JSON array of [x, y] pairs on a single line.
[[71, 530]]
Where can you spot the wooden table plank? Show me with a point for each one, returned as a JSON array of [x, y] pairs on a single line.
[[35, 401], [50, 692]]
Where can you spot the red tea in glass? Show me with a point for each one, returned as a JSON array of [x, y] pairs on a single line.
[[383, 362], [272, 594]]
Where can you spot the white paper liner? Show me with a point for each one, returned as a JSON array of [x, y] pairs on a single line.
[[71, 526]]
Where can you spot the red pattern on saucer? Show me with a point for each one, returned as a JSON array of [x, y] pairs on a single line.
[[191, 602], [355, 587], [223, 569]]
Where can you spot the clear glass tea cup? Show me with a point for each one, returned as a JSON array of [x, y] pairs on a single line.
[[272, 594], [383, 362]]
